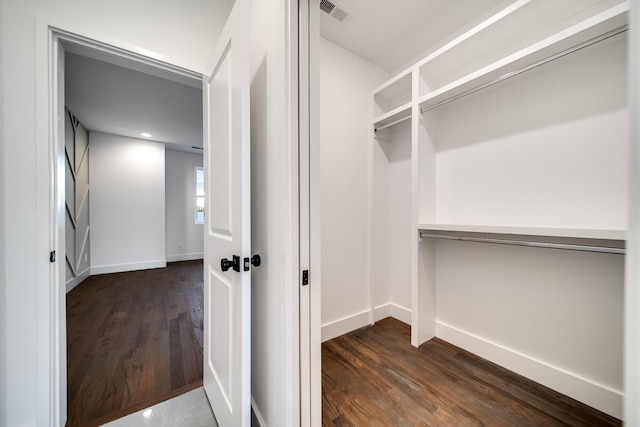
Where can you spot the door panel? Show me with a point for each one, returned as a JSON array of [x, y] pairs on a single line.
[[220, 180], [220, 332], [227, 291]]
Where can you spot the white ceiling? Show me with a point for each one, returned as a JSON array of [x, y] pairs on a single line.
[[392, 33], [122, 101]]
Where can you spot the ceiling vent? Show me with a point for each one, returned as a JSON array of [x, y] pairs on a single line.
[[341, 13]]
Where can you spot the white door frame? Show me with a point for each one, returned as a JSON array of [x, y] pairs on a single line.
[[310, 221], [54, 412], [632, 279]]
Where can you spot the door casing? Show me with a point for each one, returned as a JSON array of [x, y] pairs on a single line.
[[61, 41]]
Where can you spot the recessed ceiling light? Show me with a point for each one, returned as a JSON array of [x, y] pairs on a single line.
[[147, 413], [146, 134]]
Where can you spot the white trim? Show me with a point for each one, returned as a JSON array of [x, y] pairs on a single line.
[[381, 312], [355, 321], [134, 266], [127, 58], [345, 325], [632, 278], [185, 257], [52, 384], [473, 31], [400, 313], [306, 194], [392, 310], [311, 27], [82, 248], [293, 261], [72, 283], [255, 411], [582, 389]]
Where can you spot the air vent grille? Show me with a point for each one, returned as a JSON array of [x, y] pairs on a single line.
[[335, 10], [327, 6]]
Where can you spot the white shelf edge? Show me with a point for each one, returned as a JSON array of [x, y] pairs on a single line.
[[577, 233], [503, 13], [528, 55], [393, 115], [455, 42], [393, 80]]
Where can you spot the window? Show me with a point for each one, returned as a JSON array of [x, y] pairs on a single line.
[[199, 195]]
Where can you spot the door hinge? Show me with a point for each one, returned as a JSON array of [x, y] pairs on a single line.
[[52, 256], [305, 277]]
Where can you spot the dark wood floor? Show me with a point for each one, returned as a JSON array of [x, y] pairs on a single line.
[[133, 340], [374, 377]]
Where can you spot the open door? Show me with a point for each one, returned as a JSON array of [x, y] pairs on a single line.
[[227, 234]]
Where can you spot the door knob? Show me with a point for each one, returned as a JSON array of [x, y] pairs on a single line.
[[226, 264], [255, 261]]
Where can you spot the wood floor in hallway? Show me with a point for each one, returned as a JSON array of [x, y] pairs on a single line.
[[374, 377], [133, 340]]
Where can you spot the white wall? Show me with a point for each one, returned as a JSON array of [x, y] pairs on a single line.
[[346, 82], [554, 316], [184, 238], [392, 222], [555, 156], [127, 207], [169, 31], [274, 222]]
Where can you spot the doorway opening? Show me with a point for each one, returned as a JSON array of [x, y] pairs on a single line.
[[134, 226], [421, 127]]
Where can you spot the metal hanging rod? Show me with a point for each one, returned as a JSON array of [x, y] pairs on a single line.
[[395, 122], [564, 246], [529, 67]]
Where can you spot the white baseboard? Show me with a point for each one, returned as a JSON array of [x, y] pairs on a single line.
[[258, 415], [77, 280], [392, 310], [344, 325], [359, 320], [184, 257], [582, 389], [118, 268]]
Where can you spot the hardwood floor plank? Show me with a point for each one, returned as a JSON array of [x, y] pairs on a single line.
[[374, 377], [133, 340]]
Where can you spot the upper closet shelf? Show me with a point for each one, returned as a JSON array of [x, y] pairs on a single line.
[[572, 233], [392, 98], [570, 39]]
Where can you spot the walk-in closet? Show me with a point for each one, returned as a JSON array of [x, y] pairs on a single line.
[[474, 181]]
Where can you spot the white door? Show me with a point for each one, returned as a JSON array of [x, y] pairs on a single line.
[[227, 284]]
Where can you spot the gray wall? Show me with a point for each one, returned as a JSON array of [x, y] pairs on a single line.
[[77, 228]]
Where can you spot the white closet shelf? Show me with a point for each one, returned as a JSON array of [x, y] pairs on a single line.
[[395, 115], [399, 85], [598, 25], [575, 233]]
